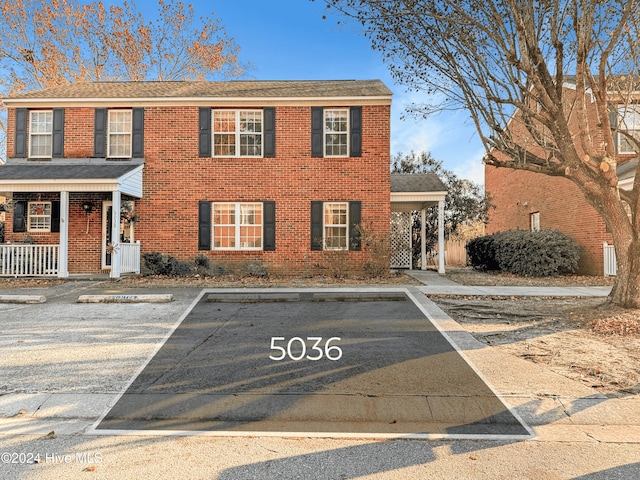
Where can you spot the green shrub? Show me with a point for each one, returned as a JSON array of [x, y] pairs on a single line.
[[158, 264], [255, 269], [482, 253], [1, 232], [202, 264], [522, 252]]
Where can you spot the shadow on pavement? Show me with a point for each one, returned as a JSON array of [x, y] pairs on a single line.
[[396, 373]]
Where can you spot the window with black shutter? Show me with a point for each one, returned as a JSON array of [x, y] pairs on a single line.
[[335, 225]]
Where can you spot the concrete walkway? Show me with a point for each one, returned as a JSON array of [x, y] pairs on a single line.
[[436, 284]]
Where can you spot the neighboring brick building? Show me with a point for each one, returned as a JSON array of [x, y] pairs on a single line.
[[277, 172], [527, 200]]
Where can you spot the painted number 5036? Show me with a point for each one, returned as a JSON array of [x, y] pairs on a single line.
[[296, 349]]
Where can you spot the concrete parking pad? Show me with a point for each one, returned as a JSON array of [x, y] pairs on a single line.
[[356, 362]]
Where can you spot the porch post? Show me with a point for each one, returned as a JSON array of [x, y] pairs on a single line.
[[63, 252], [115, 234], [423, 236], [441, 251]]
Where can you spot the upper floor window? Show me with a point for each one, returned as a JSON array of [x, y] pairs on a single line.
[[336, 132], [629, 121], [119, 136], [39, 216], [237, 133], [40, 133]]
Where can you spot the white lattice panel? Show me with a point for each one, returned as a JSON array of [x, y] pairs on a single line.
[[400, 239]]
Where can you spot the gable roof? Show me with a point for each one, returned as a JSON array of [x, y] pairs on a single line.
[[189, 92]]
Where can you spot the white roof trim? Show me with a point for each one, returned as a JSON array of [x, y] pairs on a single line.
[[626, 184], [417, 196]]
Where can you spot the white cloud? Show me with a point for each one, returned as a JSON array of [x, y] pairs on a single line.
[[449, 136], [470, 167]]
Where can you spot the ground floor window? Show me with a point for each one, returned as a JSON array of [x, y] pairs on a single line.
[[39, 216], [535, 222], [237, 226], [335, 227]]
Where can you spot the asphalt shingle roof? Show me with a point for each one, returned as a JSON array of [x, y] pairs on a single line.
[[627, 170], [416, 182], [63, 172], [234, 89]]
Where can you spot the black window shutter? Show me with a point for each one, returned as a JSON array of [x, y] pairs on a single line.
[[55, 216], [204, 225], [137, 131], [355, 134], [269, 132], [316, 225], [317, 131], [100, 133], [58, 133], [19, 216], [355, 209], [269, 225], [20, 148], [204, 132]]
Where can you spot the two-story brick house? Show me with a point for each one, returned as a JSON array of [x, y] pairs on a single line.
[[528, 200], [279, 172]]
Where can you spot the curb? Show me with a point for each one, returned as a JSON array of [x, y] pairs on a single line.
[[150, 298], [23, 299]]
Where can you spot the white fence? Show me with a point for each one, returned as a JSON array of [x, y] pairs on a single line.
[[20, 260], [130, 257], [610, 264]]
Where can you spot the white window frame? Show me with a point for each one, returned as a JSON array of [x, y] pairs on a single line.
[[329, 225], [239, 133], [625, 114], [534, 219], [239, 216], [30, 217], [326, 132], [119, 133], [33, 132]]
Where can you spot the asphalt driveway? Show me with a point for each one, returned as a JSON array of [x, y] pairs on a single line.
[[310, 361]]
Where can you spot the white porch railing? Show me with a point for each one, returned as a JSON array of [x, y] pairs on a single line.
[[130, 257], [18, 260], [610, 264]]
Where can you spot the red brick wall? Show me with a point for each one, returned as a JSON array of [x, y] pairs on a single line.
[[175, 179], [517, 194]]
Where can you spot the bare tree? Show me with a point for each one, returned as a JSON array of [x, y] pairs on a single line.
[[533, 75], [45, 43], [52, 42]]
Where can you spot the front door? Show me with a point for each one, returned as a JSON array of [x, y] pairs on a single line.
[[126, 233]]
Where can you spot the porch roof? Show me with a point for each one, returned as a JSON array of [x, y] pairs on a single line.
[[415, 191], [626, 174], [76, 176]]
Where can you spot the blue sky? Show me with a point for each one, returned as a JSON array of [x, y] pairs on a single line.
[[289, 40]]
